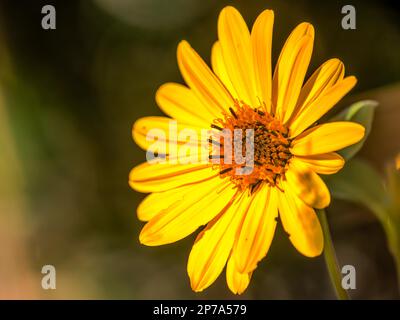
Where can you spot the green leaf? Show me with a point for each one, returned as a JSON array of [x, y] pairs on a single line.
[[361, 112], [359, 182]]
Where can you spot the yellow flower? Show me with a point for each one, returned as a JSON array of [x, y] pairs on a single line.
[[240, 211]]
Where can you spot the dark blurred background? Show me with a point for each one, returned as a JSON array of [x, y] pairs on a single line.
[[68, 99]]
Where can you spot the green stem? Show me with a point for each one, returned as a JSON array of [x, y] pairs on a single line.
[[331, 261], [392, 228]]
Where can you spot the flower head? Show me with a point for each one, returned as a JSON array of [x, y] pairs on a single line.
[[289, 150]]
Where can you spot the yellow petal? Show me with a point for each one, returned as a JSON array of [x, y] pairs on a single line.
[[234, 37], [301, 223], [195, 206], [181, 103], [327, 137], [154, 203], [291, 69], [261, 37], [219, 67], [327, 75], [315, 110], [204, 83], [326, 163], [237, 282], [307, 185], [257, 230], [156, 177], [164, 131], [214, 244]]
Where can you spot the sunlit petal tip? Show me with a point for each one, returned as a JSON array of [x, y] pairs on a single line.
[[135, 132], [196, 282], [336, 62], [131, 177], [196, 286], [338, 65], [341, 159], [182, 44], [324, 203], [359, 132], [216, 46], [148, 208], [229, 10], [238, 290], [150, 236], [267, 13], [326, 163], [226, 16], [306, 28], [264, 17], [183, 47], [236, 280], [161, 91], [139, 215], [316, 252], [350, 81], [146, 238]]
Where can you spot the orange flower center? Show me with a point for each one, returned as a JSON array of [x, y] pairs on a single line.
[[271, 147]]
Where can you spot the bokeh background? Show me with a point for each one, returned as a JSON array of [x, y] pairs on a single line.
[[68, 99]]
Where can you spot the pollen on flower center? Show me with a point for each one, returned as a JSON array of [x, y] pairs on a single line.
[[271, 146]]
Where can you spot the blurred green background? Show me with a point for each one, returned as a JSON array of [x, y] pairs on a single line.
[[68, 99]]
